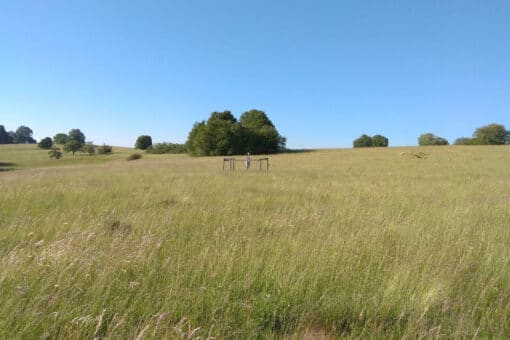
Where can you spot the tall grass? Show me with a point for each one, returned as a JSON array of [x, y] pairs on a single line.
[[370, 243]]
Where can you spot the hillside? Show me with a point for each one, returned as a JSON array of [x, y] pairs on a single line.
[[365, 242]]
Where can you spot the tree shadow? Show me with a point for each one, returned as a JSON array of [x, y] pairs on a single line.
[[7, 166]]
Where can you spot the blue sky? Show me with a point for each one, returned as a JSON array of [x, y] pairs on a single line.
[[324, 71]]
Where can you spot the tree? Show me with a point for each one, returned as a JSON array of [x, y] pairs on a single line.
[[5, 137], [55, 153], [464, 141], [492, 134], [75, 141], [89, 148], [222, 134], [45, 143], [76, 135], [431, 139], [379, 141], [72, 146], [23, 135], [259, 133], [363, 141], [60, 138], [143, 142], [255, 119], [197, 144]]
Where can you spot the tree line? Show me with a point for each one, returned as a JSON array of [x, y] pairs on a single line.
[[22, 135], [492, 134], [223, 134], [73, 141]]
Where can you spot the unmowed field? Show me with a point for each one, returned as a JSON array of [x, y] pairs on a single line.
[[332, 243]]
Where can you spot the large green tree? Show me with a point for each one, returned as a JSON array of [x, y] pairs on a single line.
[[23, 135], [492, 134], [76, 135], [75, 141], [222, 134], [5, 137], [143, 142], [260, 134]]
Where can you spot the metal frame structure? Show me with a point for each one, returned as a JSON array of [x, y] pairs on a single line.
[[232, 163]]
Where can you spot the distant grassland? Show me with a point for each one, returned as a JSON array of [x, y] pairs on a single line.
[[365, 242]]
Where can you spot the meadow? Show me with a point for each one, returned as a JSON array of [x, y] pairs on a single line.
[[332, 243]]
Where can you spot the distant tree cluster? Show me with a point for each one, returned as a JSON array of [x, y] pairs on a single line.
[[22, 135], [492, 134], [365, 141], [222, 134], [431, 139], [73, 141], [161, 148]]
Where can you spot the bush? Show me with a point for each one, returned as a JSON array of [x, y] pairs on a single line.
[[134, 157], [143, 142], [89, 148], [104, 149], [161, 148], [45, 143]]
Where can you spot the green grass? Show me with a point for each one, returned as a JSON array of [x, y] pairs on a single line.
[[366, 242], [15, 157]]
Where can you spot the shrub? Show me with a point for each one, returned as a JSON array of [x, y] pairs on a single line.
[[104, 149], [89, 148], [45, 143], [55, 153], [134, 157]]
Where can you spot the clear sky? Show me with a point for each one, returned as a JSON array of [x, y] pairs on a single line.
[[324, 71]]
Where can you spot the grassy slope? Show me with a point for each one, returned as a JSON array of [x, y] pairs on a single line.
[[341, 242], [15, 156]]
